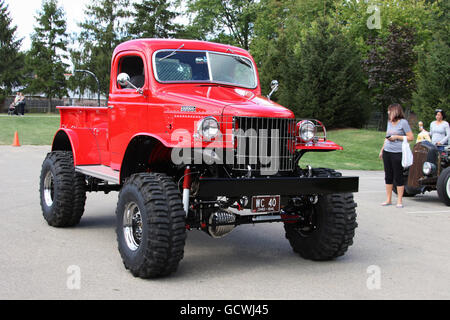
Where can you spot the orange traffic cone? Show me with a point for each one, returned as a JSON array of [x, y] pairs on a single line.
[[16, 142]]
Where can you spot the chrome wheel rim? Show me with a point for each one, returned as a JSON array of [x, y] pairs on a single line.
[[132, 226], [49, 189]]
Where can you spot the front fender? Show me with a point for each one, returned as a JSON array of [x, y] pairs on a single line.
[[320, 146]]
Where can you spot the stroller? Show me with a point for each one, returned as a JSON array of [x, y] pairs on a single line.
[[12, 110]]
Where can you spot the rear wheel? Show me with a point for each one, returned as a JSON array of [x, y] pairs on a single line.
[[62, 190], [330, 232], [151, 228], [443, 186]]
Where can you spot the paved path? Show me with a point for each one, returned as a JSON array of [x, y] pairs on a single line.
[[409, 248]]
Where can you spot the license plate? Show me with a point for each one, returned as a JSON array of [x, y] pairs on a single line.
[[266, 204]]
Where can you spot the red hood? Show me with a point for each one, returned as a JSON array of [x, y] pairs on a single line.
[[224, 100]]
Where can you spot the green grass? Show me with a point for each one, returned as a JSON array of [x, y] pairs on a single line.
[[361, 147], [361, 150], [32, 129]]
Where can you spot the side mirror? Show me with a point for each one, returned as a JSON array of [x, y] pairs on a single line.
[[123, 79], [274, 85]]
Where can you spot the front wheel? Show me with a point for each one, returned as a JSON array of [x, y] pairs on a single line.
[[331, 229], [443, 186], [151, 228]]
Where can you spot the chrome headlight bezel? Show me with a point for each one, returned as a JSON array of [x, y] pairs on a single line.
[[307, 131], [208, 128], [428, 168]]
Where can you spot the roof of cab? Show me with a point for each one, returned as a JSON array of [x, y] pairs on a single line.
[[153, 45]]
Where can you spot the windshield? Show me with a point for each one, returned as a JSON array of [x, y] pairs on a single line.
[[201, 66]]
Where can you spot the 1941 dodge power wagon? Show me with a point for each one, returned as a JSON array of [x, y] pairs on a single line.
[[190, 143]]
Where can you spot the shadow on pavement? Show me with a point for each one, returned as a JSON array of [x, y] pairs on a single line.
[[98, 222]]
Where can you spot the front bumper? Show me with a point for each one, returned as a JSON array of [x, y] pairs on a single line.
[[283, 186]]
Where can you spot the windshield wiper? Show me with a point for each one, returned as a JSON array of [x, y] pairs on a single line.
[[243, 61], [172, 53]]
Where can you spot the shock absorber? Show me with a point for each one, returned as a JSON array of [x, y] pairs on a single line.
[[187, 189]]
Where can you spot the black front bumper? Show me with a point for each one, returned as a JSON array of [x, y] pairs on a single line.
[[283, 186]]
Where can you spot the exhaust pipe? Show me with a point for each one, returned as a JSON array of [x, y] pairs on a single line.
[[221, 223]]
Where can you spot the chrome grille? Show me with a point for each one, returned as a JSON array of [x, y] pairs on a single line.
[[264, 144]]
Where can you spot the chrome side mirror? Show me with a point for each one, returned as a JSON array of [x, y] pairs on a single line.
[[124, 80], [274, 85]]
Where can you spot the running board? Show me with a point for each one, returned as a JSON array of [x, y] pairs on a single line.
[[100, 172]]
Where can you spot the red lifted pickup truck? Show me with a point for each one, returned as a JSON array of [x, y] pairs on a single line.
[[190, 143]]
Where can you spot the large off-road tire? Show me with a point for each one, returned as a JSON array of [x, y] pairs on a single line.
[[443, 186], [151, 228], [62, 190], [331, 232]]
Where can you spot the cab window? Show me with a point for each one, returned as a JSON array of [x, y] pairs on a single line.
[[134, 67]]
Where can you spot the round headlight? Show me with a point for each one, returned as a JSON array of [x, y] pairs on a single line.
[[428, 168], [307, 131], [208, 128]]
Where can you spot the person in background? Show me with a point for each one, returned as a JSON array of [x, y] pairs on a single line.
[[440, 130], [16, 103], [423, 135], [391, 153], [21, 104]]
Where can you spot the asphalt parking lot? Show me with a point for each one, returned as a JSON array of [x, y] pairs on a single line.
[[397, 254]]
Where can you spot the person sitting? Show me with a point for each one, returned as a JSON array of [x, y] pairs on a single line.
[[11, 109], [423, 135], [440, 130]]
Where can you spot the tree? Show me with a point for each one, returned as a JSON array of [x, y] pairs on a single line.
[[11, 60], [153, 19], [103, 29], [78, 82], [278, 27], [390, 67], [433, 78], [229, 21], [276, 64], [329, 79], [365, 19], [270, 25], [48, 49]]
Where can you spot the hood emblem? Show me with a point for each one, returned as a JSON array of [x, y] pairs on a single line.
[[188, 109]]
